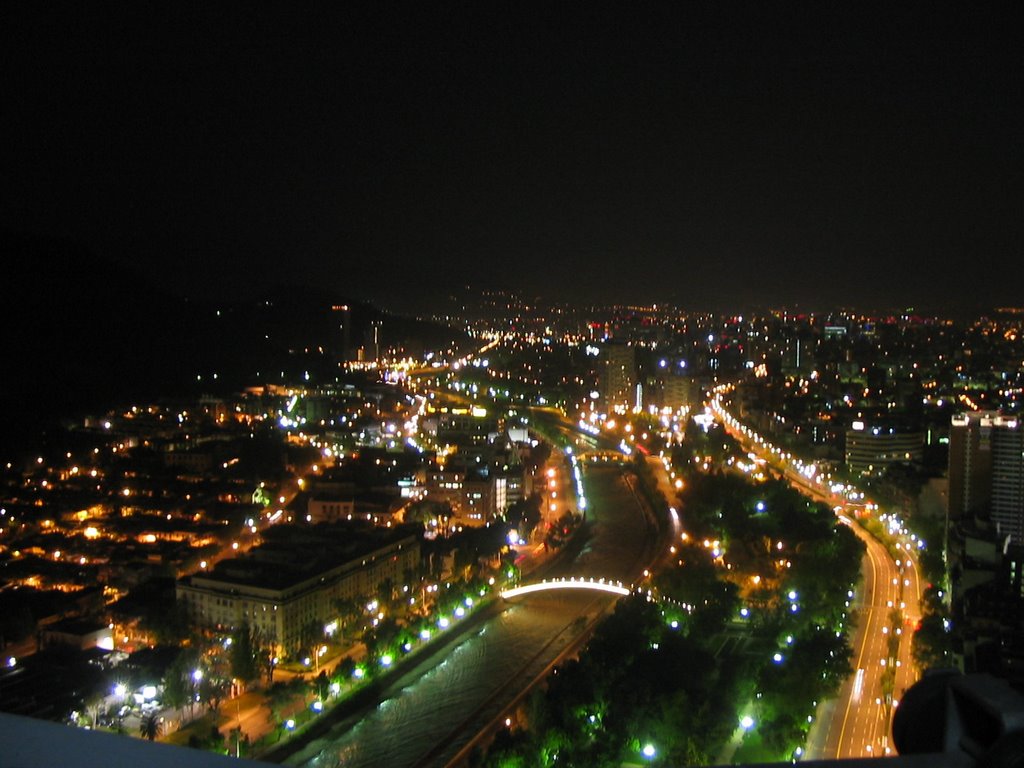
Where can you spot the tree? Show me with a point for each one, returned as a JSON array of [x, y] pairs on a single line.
[[524, 514], [931, 644], [267, 662], [379, 639], [346, 667], [150, 726], [349, 611], [244, 663], [386, 591], [311, 636], [169, 625], [177, 686], [92, 705], [213, 689]]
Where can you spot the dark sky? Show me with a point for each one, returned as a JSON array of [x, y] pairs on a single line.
[[709, 153]]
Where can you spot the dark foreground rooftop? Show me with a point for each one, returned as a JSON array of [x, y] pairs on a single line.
[[28, 743]]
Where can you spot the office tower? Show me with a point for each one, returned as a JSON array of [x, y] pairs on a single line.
[[343, 344], [986, 471], [1008, 481], [871, 448], [618, 379]]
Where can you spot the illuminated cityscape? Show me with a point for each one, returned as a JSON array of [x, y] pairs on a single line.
[[510, 387]]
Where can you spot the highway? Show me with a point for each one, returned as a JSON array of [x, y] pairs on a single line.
[[886, 609]]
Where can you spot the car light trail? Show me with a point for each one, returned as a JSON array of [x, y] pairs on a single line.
[[858, 685]]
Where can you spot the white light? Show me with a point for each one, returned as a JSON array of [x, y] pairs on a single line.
[[564, 584]]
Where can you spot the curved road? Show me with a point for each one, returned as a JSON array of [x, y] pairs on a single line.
[[857, 723]]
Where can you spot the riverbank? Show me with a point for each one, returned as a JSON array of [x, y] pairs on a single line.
[[353, 706], [356, 704]]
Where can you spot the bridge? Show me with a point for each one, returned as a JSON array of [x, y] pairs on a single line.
[[603, 457], [599, 585]]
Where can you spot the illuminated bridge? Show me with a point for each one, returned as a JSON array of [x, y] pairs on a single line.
[[603, 457], [599, 585]]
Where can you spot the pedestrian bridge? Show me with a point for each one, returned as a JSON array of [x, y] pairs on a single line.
[[603, 457], [597, 585]]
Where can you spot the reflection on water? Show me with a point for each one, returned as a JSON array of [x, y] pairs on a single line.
[[467, 687]]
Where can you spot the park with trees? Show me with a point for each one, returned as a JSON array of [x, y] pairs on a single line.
[[741, 635]]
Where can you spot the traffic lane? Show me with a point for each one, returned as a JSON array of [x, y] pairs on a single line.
[[864, 723], [870, 728], [867, 723], [853, 691]]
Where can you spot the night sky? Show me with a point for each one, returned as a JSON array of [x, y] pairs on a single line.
[[712, 154]]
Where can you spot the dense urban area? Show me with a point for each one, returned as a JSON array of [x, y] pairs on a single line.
[[709, 538]]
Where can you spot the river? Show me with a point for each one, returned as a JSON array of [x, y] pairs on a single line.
[[435, 709]]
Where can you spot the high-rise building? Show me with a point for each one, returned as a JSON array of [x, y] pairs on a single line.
[[970, 464], [986, 471], [677, 391], [870, 448], [1008, 481], [618, 380], [343, 342]]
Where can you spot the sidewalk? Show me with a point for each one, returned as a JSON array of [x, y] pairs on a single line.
[[817, 737], [356, 651]]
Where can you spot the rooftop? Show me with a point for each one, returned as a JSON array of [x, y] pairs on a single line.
[[292, 554]]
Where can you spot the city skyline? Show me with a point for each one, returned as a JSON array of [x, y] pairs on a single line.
[[708, 155], [475, 384], [283, 531]]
